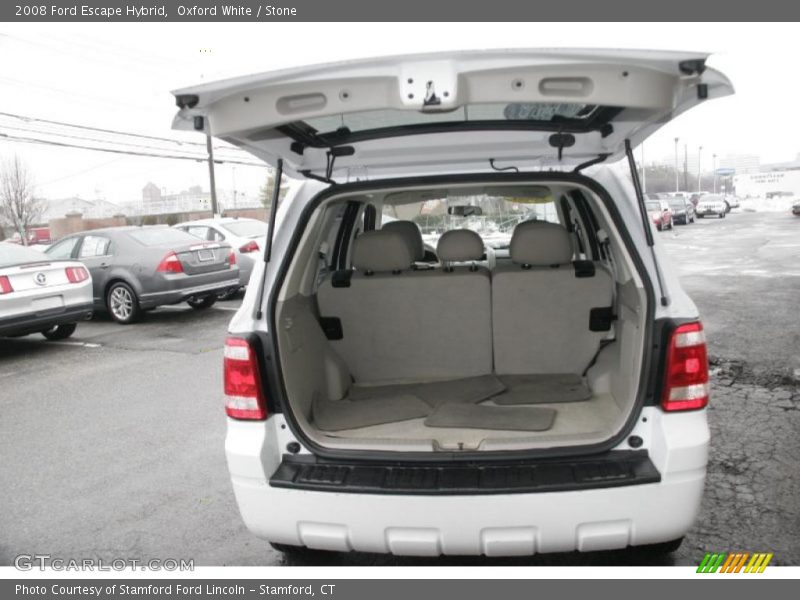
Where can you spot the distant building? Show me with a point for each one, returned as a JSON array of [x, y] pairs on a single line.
[[89, 209], [151, 193], [740, 164], [776, 179]]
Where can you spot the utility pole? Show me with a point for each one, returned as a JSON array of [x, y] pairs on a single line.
[[214, 207], [677, 185], [699, 172], [685, 167], [714, 170]]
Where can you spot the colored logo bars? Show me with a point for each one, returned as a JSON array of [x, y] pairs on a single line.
[[736, 562]]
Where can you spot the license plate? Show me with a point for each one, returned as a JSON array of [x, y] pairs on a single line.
[[50, 302], [205, 255]]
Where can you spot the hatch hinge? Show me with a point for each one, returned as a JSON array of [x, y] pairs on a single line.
[[598, 159]]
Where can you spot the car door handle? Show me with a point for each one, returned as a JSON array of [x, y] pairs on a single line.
[[103, 265]]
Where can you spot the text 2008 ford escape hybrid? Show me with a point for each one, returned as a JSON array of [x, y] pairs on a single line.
[[463, 338]]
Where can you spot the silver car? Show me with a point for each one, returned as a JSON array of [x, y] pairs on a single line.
[[246, 236], [139, 268], [41, 295]]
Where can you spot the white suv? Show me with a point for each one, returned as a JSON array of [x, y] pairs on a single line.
[[542, 393]]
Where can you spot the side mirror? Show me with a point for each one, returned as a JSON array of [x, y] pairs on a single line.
[[465, 211]]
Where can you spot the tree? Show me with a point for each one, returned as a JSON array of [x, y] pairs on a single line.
[[19, 208], [265, 194]]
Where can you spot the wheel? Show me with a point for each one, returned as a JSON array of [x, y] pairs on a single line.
[[722, 215], [671, 225], [662, 547], [202, 303], [60, 332], [122, 303], [658, 227]]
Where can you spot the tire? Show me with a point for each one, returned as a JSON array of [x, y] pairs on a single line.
[[661, 548], [722, 215], [122, 303], [60, 332], [202, 303]]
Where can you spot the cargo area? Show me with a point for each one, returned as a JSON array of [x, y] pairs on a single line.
[[461, 318]]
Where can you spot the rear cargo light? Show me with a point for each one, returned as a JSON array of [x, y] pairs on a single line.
[[232, 258], [5, 285], [76, 274], [250, 246], [244, 397], [170, 264], [686, 377]]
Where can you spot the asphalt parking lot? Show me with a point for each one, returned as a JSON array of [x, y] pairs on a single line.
[[112, 441]]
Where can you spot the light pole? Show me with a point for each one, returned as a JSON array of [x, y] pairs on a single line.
[[644, 172], [677, 185], [714, 170], [699, 173]]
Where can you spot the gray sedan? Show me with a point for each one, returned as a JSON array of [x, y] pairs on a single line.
[[139, 268]]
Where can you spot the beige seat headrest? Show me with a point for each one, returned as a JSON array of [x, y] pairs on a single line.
[[460, 245], [539, 243], [411, 233], [381, 251]]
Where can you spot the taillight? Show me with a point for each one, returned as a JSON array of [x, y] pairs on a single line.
[[76, 274], [250, 246], [5, 285], [686, 377], [244, 397], [170, 264], [232, 258]]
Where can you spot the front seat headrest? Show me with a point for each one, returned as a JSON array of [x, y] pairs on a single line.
[[460, 245], [381, 251], [540, 243], [411, 233]]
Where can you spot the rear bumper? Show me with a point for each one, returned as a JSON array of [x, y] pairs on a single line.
[[497, 524], [35, 322], [180, 288]]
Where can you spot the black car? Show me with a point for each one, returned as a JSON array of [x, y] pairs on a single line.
[[682, 210]]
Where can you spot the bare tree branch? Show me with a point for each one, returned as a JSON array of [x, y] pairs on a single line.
[[19, 208]]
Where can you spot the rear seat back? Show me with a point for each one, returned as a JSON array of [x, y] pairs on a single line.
[[399, 324], [542, 302]]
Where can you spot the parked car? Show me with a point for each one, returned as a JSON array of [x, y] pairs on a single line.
[[37, 236], [372, 406], [696, 197], [139, 268], [246, 237], [796, 208], [682, 209], [659, 213], [732, 201], [712, 205], [41, 295]]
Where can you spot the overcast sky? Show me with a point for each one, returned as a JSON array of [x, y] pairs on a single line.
[[118, 76]]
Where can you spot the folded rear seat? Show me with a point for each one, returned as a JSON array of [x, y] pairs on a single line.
[[398, 324], [542, 302]]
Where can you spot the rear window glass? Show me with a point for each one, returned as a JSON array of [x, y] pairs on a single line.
[[519, 111], [490, 215], [653, 205], [246, 228], [165, 235], [12, 254]]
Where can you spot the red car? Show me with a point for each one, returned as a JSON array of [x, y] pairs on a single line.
[[660, 213]]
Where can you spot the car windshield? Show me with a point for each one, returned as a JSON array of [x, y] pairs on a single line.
[[653, 206], [12, 254], [247, 228], [161, 235], [492, 215]]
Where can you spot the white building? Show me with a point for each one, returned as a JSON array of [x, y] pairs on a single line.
[[89, 209]]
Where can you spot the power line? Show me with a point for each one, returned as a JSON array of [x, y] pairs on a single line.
[[116, 132], [27, 140]]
